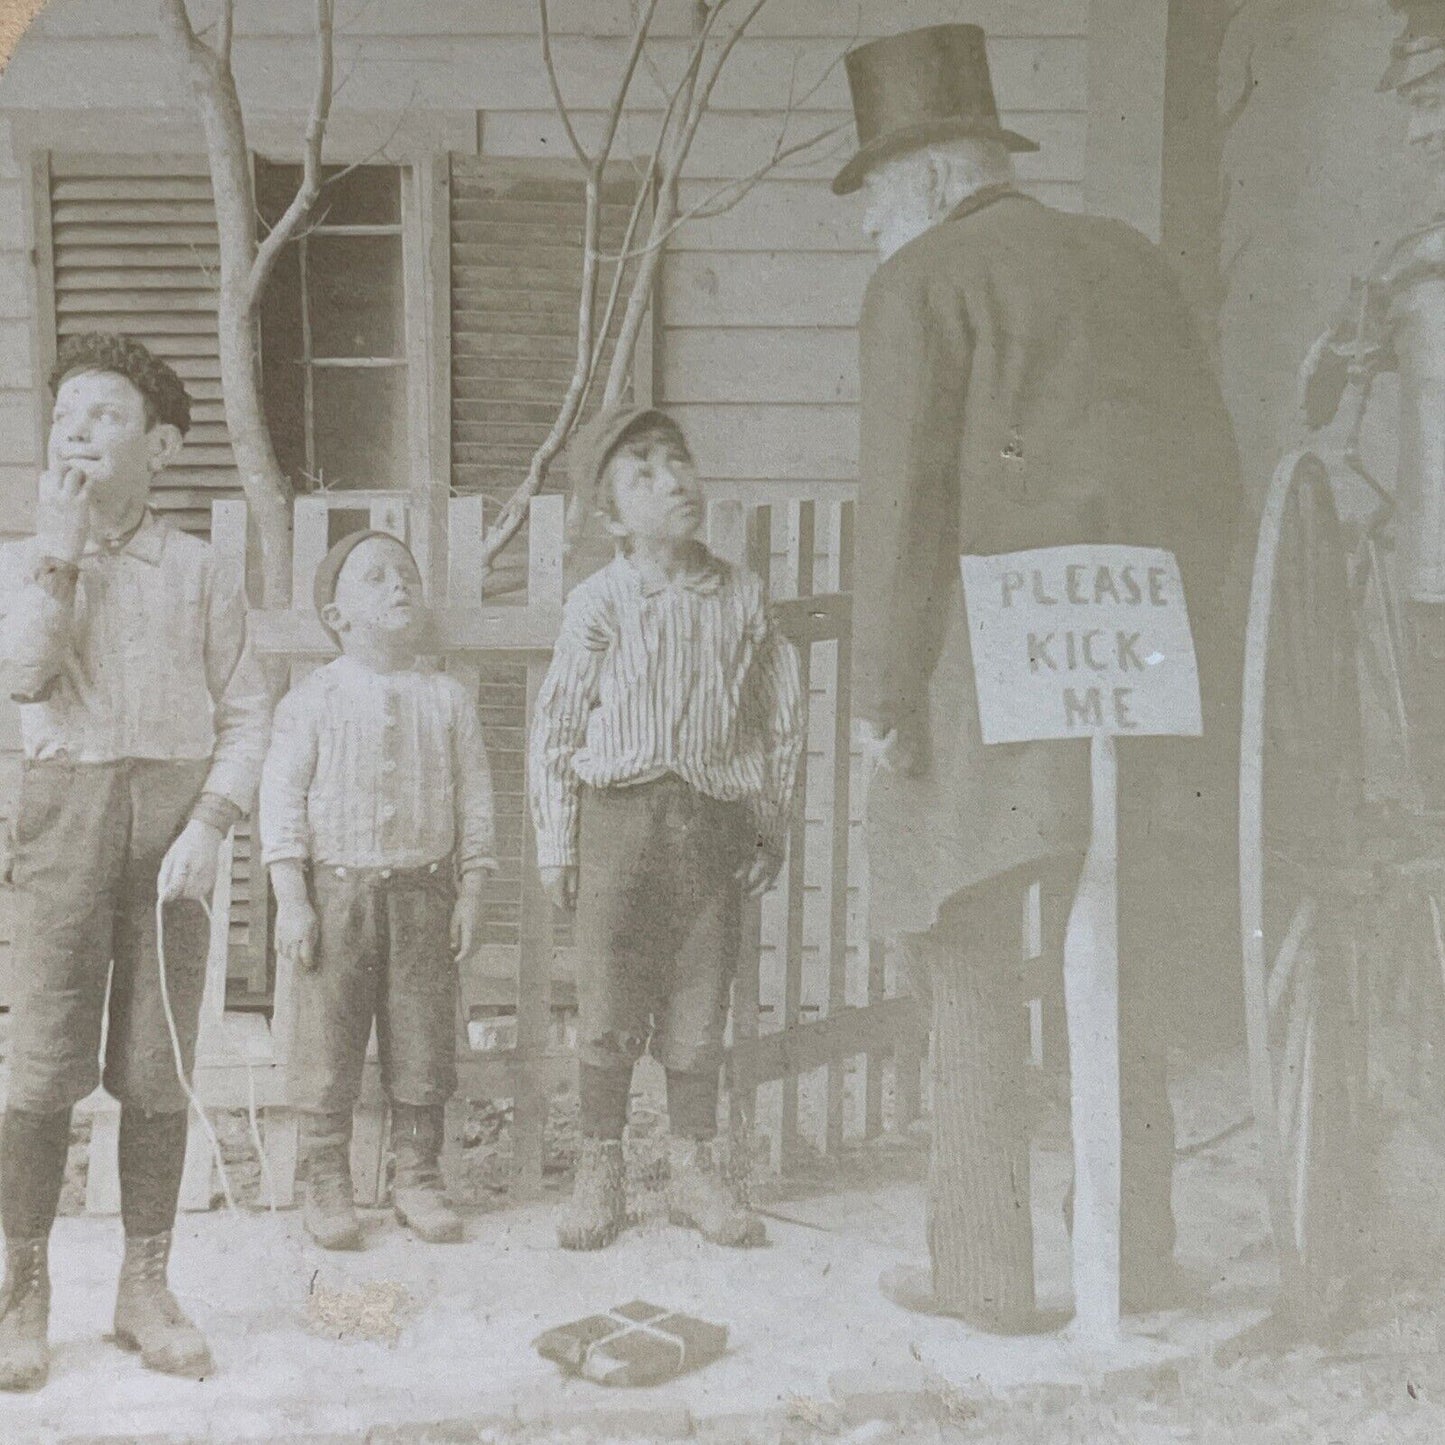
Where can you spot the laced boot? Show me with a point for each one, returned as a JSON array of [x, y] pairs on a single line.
[[25, 1315], [701, 1199], [418, 1196], [328, 1205], [148, 1318], [597, 1211]]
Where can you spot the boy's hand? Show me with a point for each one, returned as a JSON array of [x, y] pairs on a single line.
[[62, 513], [189, 868], [297, 930], [560, 885], [467, 914], [761, 873]]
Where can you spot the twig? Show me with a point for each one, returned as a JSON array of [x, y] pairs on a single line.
[[227, 32], [270, 248], [544, 25]]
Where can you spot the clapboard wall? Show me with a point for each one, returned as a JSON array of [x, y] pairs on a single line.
[[754, 342]]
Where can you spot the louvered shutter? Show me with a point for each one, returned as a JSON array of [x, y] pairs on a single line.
[[133, 248], [516, 273]]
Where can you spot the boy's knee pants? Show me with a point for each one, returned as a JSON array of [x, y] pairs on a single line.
[[658, 916], [89, 841], [384, 953]]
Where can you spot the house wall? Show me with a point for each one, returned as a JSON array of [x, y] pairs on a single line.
[[755, 346]]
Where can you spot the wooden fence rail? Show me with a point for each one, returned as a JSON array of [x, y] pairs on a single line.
[[817, 1007]]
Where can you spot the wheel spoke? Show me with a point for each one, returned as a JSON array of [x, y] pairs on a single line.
[[1289, 952], [1303, 1144]]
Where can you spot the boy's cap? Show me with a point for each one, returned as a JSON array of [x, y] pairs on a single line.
[[323, 589], [595, 440]]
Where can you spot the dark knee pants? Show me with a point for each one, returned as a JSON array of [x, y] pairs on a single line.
[[658, 906], [89, 841], [979, 1222], [384, 954]]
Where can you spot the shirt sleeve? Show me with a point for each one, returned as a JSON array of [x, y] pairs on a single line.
[[567, 696], [285, 781], [775, 708], [239, 695], [914, 361], [37, 622], [472, 779]]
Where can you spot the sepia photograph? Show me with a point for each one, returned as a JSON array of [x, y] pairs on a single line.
[[722, 721]]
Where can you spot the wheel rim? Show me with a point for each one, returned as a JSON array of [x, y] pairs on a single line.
[[1299, 780]]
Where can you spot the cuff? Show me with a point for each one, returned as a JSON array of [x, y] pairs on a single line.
[[273, 857], [488, 866], [556, 855], [55, 577], [221, 813]]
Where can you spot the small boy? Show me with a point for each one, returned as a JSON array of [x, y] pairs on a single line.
[[663, 758], [376, 825], [143, 718]]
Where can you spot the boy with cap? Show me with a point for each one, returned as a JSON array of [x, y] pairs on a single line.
[[662, 764], [143, 720], [376, 825]]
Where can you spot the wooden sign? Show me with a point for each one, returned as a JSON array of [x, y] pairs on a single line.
[[1087, 642], [1081, 641]]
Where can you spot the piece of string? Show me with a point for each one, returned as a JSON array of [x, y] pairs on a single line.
[[185, 1083]]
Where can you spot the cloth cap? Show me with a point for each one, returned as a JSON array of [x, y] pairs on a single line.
[[592, 446], [323, 589]]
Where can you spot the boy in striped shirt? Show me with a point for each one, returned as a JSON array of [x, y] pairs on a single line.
[[662, 764]]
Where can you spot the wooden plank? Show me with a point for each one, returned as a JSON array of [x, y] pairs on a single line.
[[42, 273], [873, 1058], [760, 365], [534, 1013], [546, 517], [820, 19], [141, 187], [800, 523], [310, 523], [771, 289], [816, 443], [808, 1046], [839, 543], [389, 515], [732, 145], [807, 620]]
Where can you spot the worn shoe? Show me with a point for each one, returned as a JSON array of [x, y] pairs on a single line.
[[25, 1315], [148, 1318], [699, 1198], [328, 1208], [328, 1211], [597, 1211], [418, 1196]]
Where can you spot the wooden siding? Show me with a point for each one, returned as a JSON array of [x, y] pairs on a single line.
[[754, 334]]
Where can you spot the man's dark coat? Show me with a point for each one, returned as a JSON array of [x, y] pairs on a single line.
[[1030, 378]]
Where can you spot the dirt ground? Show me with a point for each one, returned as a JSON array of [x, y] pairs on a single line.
[[1382, 1378]]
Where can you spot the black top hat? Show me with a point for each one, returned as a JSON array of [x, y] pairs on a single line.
[[922, 86]]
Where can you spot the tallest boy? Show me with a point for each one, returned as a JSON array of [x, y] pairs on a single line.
[[144, 721]]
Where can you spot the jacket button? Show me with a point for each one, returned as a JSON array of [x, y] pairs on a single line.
[[386, 872]]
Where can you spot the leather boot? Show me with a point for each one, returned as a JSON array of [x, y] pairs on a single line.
[[701, 1199], [597, 1211], [25, 1315], [328, 1202], [148, 1318], [418, 1194]]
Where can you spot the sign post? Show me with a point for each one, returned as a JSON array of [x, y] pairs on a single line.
[[1087, 642]]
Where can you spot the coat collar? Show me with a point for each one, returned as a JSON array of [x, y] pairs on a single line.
[[984, 196], [701, 573], [146, 541]]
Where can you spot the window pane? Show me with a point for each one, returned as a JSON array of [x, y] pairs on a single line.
[[367, 196], [355, 288], [361, 426]]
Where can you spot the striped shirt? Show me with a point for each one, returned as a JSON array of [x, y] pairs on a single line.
[[147, 659], [377, 770], [653, 676]]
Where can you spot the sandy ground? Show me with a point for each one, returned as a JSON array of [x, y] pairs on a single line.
[[387, 1343]]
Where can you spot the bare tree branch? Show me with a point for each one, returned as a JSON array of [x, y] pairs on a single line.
[[1237, 106], [310, 188], [544, 28], [228, 31], [634, 54]]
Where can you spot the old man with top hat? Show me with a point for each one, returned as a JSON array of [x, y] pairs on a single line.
[[1030, 378]]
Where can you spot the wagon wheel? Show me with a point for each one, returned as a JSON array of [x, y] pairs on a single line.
[[1300, 800]]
